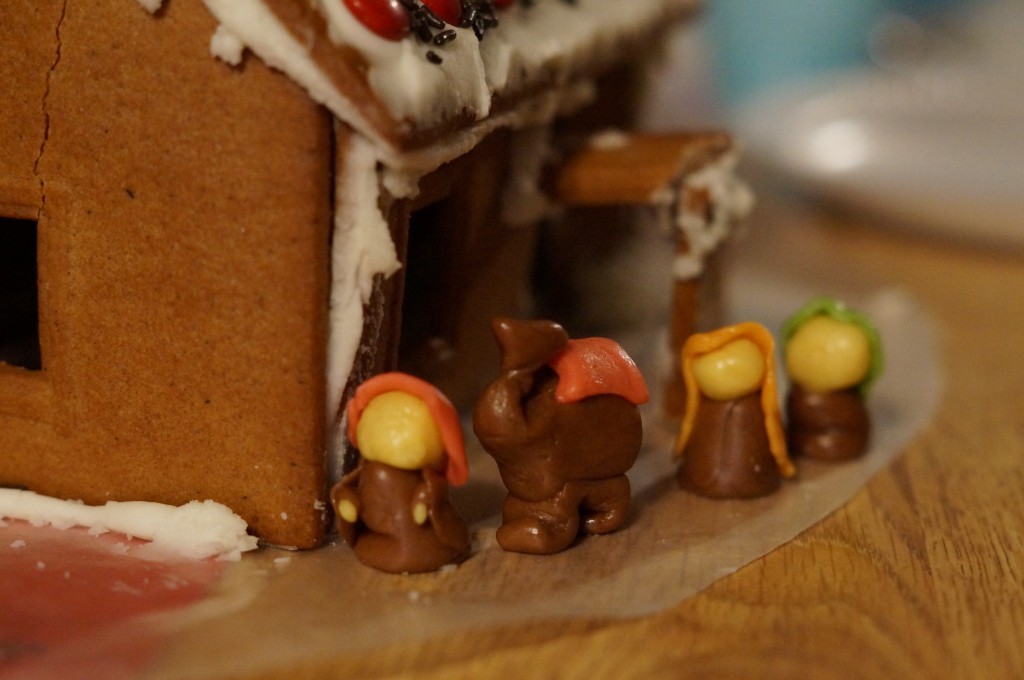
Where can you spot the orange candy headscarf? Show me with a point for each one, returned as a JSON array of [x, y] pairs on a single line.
[[702, 343], [590, 367], [441, 410]]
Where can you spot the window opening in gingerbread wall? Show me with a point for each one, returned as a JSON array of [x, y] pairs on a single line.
[[19, 294]]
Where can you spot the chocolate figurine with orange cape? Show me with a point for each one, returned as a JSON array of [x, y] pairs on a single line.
[[393, 508], [731, 441], [563, 425]]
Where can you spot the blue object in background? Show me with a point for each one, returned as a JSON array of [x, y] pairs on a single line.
[[762, 43]]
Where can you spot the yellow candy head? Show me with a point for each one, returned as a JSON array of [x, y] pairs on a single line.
[[732, 371], [396, 428], [829, 347], [825, 355]]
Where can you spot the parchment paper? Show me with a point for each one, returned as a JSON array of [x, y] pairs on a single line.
[[277, 606]]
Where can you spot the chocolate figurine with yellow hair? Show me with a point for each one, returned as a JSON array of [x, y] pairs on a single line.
[[833, 356], [732, 442], [393, 508]]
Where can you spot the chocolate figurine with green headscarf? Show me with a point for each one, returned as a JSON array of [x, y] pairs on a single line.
[[833, 355]]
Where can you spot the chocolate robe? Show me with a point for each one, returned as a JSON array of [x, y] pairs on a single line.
[[727, 455], [385, 535], [827, 425]]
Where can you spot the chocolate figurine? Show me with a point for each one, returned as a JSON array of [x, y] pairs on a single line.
[[833, 355], [393, 508], [563, 424], [731, 441]]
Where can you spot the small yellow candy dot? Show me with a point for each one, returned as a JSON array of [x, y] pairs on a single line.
[[348, 512], [825, 355], [730, 372], [396, 428], [419, 513]]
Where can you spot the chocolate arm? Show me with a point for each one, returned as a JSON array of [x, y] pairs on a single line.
[[445, 521], [346, 490], [500, 410]]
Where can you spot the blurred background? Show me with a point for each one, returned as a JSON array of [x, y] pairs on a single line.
[[910, 111]]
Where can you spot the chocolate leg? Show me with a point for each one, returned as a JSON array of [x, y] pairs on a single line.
[[538, 528], [605, 504]]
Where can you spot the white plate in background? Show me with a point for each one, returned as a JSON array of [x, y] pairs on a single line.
[[939, 149], [936, 140]]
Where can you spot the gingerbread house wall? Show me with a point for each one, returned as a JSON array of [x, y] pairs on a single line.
[[183, 212]]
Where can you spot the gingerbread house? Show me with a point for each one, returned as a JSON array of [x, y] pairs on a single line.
[[216, 218]]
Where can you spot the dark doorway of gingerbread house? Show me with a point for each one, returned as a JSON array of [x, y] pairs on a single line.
[[19, 295], [431, 297], [462, 266]]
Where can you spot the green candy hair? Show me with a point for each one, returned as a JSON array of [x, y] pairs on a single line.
[[826, 306]]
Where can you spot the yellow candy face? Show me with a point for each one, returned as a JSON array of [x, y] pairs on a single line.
[[825, 355], [734, 370], [396, 428]]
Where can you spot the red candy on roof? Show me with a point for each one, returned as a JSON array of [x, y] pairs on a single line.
[[386, 18], [449, 11]]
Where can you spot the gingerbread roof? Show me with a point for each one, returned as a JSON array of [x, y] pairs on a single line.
[[533, 60]]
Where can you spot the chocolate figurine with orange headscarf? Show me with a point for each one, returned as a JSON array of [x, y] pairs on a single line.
[[393, 508], [732, 442], [563, 425], [833, 356]]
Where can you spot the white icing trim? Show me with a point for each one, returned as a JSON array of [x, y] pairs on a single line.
[[731, 201], [362, 249], [257, 27], [226, 46], [559, 39], [196, 530], [151, 6], [609, 140], [410, 166]]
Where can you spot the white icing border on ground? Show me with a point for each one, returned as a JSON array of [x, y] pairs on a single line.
[[196, 530]]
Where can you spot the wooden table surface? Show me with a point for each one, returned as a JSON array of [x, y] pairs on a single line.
[[921, 575]]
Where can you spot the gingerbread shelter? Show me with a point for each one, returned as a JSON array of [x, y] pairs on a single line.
[[212, 213]]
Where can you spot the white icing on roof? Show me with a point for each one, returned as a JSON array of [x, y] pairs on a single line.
[[550, 43], [561, 39], [411, 87], [226, 46]]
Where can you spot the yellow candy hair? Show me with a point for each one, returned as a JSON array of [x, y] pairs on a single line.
[[702, 343]]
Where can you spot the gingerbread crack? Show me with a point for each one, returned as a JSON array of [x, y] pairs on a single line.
[[46, 109]]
